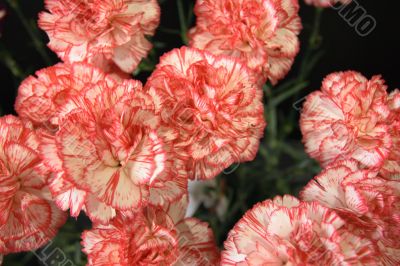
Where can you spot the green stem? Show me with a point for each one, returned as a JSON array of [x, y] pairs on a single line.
[[10, 63], [273, 124], [270, 115], [288, 93], [190, 14], [32, 31], [284, 86], [182, 22], [313, 44], [315, 36]]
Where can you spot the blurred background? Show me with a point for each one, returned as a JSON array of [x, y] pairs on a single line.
[[328, 44]]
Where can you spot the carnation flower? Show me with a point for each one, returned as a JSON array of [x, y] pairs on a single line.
[[107, 154], [98, 31], [326, 3], [347, 119], [391, 168], [152, 236], [262, 33], [29, 218], [369, 204], [212, 106], [41, 98], [285, 231]]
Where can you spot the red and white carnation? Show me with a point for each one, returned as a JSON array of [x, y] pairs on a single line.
[[369, 204], [347, 119], [107, 154], [285, 231], [101, 32], [391, 168], [41, 98], [326, 3], [212, 107], [29, 218], [152, 236], [261, 33]]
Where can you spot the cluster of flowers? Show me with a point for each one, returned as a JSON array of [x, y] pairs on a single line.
[[350, 212], [88, 138]]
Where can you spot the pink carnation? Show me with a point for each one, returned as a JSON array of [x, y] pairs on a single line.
[[153, 236], [262, 33], [29, 218], [347, 119], [285, 231], [212, 107], [41, 98], [98, 31], [326, 3], [391, 168], [108, 155], [369, 204]]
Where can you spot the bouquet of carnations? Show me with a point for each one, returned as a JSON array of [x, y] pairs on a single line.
[[90, 139]]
